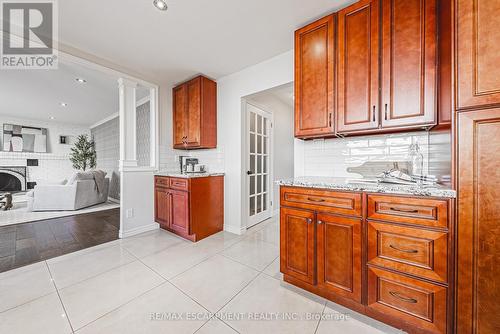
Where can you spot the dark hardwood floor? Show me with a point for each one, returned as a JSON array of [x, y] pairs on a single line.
[[27, 243]]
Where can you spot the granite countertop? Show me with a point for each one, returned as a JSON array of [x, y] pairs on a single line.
[[345, 184], [187, 176]]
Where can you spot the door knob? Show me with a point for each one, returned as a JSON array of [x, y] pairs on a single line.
[[249, 172]]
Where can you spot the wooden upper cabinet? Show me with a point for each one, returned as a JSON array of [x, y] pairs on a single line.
[[180, 115], [358, 67], [314, 79], [339, 255], [478, 287], [409, 63], [195, 114], [478, 50], [297, 234]]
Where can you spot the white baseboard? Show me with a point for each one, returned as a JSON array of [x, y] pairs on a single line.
[[235, 229], [138, 230]]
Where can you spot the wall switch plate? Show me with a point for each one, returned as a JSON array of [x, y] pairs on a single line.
[[130, 213]]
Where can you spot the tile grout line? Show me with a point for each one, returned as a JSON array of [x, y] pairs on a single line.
[[319, 322], [60, 299], [120, 306]]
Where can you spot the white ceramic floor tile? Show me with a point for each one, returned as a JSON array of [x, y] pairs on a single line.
[[273, 270], [43, 315], [270, 233], [256, 253], [340, 320], [266, 297], [148, 314], [88, 300], [76, 267], [215, 326], [222, 239], [215, 281], [175, 260], [22, 285], [150, 242]]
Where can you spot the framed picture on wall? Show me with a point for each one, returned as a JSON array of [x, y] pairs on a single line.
[[20, 138]]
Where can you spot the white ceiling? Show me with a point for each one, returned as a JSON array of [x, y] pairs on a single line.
[[216, 37], [37, 94], [267, 99]]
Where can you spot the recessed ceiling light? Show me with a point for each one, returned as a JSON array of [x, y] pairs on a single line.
[[160, 4], [63, 104], [52, 117], [80, 80]]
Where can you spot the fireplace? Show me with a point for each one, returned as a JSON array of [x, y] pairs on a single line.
[[12, 179]]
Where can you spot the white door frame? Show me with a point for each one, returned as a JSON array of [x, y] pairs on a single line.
[[245, 205]]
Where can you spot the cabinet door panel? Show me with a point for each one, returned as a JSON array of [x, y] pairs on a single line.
[[162, 207], [478, 222], [180, 115], [194, 112], [339, 255], [478, 50], [297, 233], [409, 63], [179, 211], [314, 78], [358, 67]]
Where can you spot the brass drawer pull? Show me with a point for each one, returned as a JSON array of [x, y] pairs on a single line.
[[403, 210], [411, 251], [405, 299], [315, 199]]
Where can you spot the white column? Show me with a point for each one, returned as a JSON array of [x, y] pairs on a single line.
[[128, 135]]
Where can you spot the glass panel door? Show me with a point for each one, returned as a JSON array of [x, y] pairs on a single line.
[[259, 175]]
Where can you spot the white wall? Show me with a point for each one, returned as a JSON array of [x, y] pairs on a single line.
[[54, 166], [274, 72]]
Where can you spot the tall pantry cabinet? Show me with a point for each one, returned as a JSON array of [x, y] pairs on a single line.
[[478, 165]]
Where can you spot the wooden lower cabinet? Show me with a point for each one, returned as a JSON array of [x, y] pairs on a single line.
[[413, 301], [179, 203], [297, 232], [339, 255], [192, 208], [392, 262]]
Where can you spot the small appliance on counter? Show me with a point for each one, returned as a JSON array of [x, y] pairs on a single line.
[[191, 165]]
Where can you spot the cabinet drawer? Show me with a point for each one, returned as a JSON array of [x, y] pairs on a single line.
[[407, 210], [418, 303], [179, 184], [161, 181], [410, 250], [322, 200]]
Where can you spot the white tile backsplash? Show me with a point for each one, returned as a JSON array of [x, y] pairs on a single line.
[[332, 157]]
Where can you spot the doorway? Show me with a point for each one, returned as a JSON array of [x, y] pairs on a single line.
[[269, 150]]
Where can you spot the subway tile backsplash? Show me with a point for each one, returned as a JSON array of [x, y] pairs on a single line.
[[332, 157]]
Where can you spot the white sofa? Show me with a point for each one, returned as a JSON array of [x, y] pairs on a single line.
[[74, 195]]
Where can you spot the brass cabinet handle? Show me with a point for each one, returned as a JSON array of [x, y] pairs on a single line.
[[403, 210], [410, 251], [405, 299], [315, 199], [374, 113], [385, 111], [330, 119]]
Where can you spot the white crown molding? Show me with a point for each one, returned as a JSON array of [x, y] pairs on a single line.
[[104, 120]]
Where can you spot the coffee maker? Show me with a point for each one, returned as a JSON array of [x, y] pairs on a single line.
[[190, 165]]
